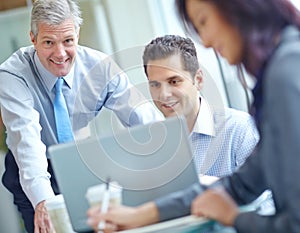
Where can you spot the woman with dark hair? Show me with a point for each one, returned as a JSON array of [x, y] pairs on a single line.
[[257, 23], [264, 37]]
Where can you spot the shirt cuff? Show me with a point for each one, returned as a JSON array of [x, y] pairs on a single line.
[[40, 192]]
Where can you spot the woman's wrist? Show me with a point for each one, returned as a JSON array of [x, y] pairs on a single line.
[[147, 214]]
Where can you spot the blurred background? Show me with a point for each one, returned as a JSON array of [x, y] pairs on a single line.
[[119, 28]]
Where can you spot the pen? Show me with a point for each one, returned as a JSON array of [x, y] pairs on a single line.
[[104, 206]]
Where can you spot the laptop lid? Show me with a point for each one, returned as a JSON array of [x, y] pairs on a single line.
[[148, 161]]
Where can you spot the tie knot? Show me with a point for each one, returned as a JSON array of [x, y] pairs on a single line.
[[59, 84]]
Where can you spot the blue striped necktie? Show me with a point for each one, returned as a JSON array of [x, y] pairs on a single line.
[[62, 119]]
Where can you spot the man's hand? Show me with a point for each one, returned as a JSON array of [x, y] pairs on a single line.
[[42, 223]]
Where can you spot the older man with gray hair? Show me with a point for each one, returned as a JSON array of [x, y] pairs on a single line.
[[41, 83]]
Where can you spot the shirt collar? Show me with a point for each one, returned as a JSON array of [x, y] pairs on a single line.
[[48, 78], [205, 123]]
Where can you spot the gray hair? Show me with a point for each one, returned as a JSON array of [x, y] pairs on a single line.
[[54, 12]]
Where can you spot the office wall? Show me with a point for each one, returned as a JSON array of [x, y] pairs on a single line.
[[14, 27]]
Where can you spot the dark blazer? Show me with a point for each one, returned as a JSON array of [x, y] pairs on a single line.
[[275, 165]]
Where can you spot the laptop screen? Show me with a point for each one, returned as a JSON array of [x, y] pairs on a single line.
[[148, 161]]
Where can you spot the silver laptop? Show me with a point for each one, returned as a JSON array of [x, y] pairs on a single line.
[[148, 161]]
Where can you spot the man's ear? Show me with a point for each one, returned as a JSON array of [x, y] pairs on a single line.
[[198, 80], [78, 33], [32, 38]]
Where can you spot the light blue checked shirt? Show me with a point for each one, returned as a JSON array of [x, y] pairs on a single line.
[[222, 139], [27, 95]]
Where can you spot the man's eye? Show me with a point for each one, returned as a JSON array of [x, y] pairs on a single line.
[[69, 41], [48, 43], [154, 85], [174, 82]]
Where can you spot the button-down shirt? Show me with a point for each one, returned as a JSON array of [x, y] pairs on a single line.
[[222, 139], [27, 95]]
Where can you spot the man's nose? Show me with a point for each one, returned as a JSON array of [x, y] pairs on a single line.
[[165, 92], [60, 50]]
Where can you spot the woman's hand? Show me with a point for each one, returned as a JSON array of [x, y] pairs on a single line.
[[216, 204], [123, 217]]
